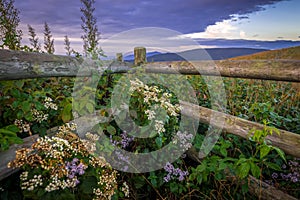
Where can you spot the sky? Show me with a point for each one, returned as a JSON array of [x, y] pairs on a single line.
[[170, 25]]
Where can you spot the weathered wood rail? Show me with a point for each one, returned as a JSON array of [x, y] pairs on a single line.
[[21, 65]]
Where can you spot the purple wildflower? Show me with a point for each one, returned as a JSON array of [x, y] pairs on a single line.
[[274, 175], [169, 167], [167, 178], [174, 173], [74, 169], [125, 141]]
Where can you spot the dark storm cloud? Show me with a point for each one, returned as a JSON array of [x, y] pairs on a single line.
[[119, 15]]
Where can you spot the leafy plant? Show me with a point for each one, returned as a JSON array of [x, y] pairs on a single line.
[[63, 167], [8, 136]]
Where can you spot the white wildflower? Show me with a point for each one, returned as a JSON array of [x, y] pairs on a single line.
[[159, 126], [150, 114]]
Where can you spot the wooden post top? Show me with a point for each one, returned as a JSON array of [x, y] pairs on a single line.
[[139, 55]]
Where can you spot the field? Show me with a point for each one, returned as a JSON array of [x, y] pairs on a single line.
[[32, 106]]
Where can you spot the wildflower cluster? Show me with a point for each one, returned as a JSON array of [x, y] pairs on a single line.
[[75, 167], [23, 126], [125, 189], [30, 184], [38, 115], [124, 143], [293, 174], [184, 139], [62, 163], [152, 95], [48, 103], [90, 142], [174, 173]]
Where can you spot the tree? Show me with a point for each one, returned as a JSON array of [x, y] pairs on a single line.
[[91, 34], [33, 39], [67, 45], [9, 21], [48, 41]]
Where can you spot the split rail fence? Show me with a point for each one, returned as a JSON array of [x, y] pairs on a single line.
[[15, 65]]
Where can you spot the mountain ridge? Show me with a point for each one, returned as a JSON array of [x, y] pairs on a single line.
[[198, 54]]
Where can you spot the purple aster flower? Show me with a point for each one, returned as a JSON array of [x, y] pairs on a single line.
[[70, 176], [274, 175], [174, 172], [169, 167], [74, 161], [74, 169], [167, 178]]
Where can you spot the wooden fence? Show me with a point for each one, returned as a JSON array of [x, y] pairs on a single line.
[[16, 65]]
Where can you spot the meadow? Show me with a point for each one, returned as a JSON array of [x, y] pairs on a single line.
[[32, 106]]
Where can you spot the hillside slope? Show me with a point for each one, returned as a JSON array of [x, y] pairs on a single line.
[[286, 53], [204, 54]]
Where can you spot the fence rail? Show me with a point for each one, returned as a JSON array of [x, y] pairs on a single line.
[[16, 65], [20, 65]]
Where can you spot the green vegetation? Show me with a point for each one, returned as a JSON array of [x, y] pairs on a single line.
[[10, 36], [30, 107], [48, 41], [265, 102]]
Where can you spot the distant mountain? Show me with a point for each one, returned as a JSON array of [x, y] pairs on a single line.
[[130, 58], [204, 54], [285, 53]]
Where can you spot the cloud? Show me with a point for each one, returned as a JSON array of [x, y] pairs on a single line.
[[222, 29], [119, 15], [63, 16]]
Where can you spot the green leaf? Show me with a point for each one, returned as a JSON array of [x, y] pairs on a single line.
[[28, 116], [154, 182], [201, 167], [158, 142], [90, 107], [152, 134], [20, 114], [273, 166], [8, 133], [243, 170], [111, 130], [280, 153], [192, 176], [138, 182], [174, 187], [223, 151], [199, 178], [19, 83], [255, 170], [66, 114], [15, 93], [222, 165], [12, 128], [86, 187], [264, 150], [39, 106]]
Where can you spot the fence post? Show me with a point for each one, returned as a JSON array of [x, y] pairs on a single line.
[[139, 55], [119, 57]]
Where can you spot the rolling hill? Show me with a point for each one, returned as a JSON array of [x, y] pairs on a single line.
[[286, 53], [198, 54], [204, 54]]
